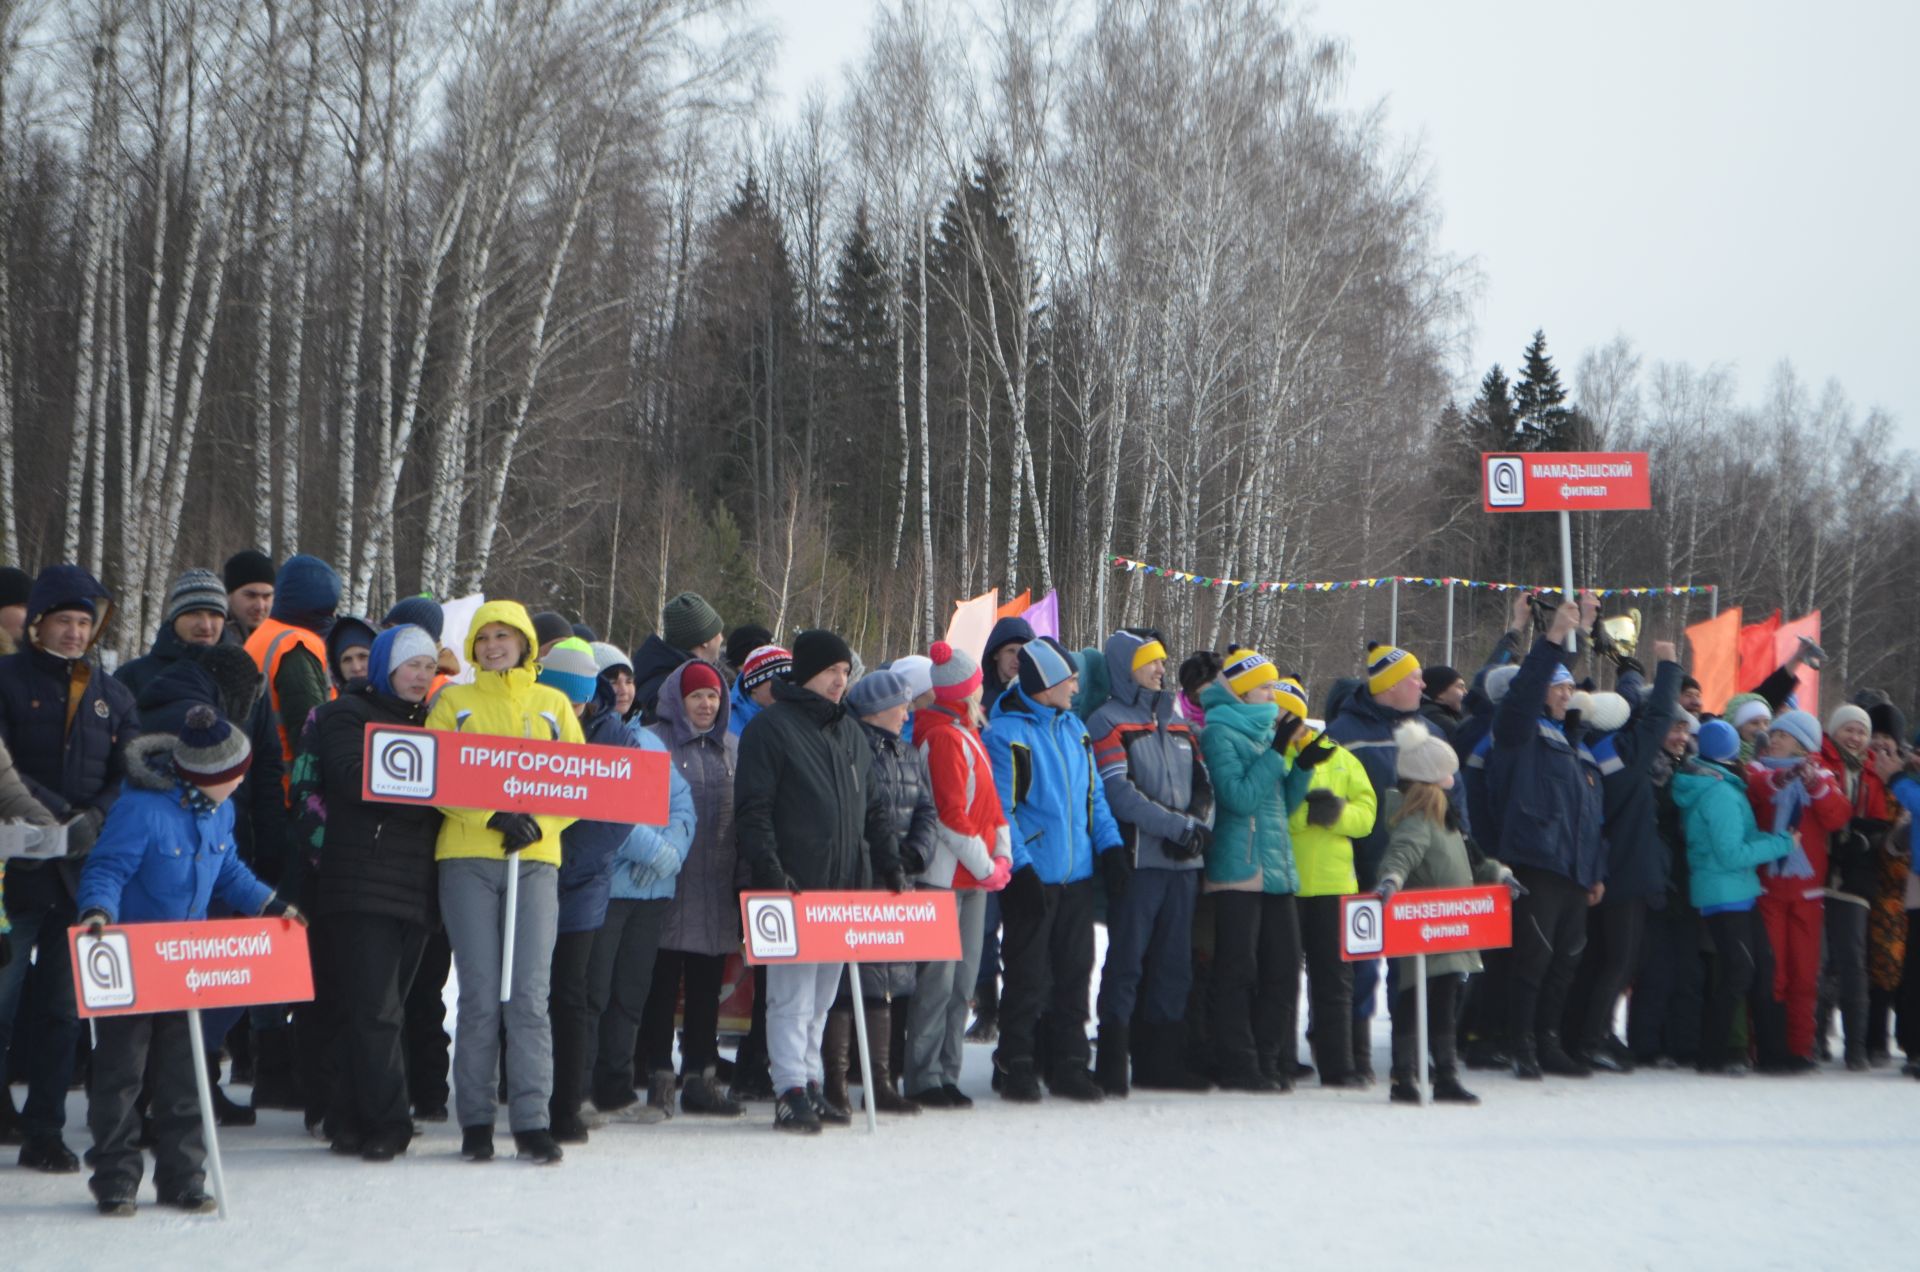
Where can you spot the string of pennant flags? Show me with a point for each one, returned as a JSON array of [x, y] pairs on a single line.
[[1254, 586]]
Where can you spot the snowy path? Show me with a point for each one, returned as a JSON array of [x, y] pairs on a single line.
[[1657, 1170]]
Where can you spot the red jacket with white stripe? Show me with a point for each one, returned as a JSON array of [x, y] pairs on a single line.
[[972, 829]]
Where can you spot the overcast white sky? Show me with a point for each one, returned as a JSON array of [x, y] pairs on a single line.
[[1724, 181]]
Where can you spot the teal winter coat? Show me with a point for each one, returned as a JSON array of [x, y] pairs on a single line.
[[1255, 790], [1725, 846]]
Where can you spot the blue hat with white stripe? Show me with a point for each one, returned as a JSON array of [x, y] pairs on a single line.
[[1044, 663]]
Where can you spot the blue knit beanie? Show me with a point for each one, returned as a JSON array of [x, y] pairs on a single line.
[[305, 587], [421, 611]]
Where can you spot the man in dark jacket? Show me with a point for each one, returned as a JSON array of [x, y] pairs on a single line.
[[1157, 787], [375, 896], [1548, 785], [808, 815], [66, 724], [1441, 699], [689, 629], [249, 577], [1626, 742], [195, 617]]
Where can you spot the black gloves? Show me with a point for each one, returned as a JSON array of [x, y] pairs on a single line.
[[82, 829], [95, 921], [1324, 807], [1024, 892], [1283, 730], [911, 860], [517, 830], [1116, 866], [769, 876], [1189, 846], [896, 880], [1314, 753]]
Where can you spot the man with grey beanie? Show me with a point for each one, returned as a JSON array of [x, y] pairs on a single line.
[[195, 616]]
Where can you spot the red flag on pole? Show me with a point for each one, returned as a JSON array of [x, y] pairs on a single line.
[[1716, 657], [1756, 652]]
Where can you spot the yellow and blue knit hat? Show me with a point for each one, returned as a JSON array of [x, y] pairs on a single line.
[[1387, 666], [1247, 670]]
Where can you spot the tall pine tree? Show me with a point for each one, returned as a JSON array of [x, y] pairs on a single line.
[[1545, 422]]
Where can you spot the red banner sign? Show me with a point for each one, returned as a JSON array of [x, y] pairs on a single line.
[[515, 775], [1427, 921], [143, 968], [1566, 481], [850, 927]]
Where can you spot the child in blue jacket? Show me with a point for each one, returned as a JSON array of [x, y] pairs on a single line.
[[164, 852], [1056, 805]]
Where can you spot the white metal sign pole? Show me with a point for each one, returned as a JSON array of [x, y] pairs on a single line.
[[199, 1049], [860, 1032], [1420, 1015], [1566, 572], [509, 923]]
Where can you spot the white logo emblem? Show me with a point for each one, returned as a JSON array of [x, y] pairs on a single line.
[[1506, 482], [402, 765], [106, 971], [771, 929], [1365, 934]]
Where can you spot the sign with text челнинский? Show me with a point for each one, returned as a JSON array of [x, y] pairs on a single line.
[[1426, 921], [140, 968], [851, 927], [515, 775], [1565, 481]]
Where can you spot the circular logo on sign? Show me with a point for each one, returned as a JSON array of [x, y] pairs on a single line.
[[100, 709]]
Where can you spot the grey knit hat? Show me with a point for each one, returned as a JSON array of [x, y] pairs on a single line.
[[688, 621], [211, 751], [878, 691], [196, 590]]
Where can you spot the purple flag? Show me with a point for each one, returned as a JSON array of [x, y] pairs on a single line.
[[1044, 615]]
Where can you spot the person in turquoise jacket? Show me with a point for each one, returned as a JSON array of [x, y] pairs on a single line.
[[1725, 848], [1056, 804], [165, 852], [1251, 874]]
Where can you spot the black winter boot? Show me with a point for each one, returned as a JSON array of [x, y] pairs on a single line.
[[1555, 1060], [836, 1048], [476, 1143], [829, 1113], [538, 1147], [10, 1131], [1526, 1064], [1017, 1082], [274, 1083], [702, 1096], [1110, 1067], [794, 1112], [1164, 1066], [227, 1113], [1402, 1090], [885, 1097], [1073, 1082], [1362, 1051], [986, 1014], [1447, 1089]]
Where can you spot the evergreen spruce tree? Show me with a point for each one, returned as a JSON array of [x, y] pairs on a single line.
[[1546, 423]]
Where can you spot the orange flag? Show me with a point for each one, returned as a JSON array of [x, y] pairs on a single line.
[[1756, 652], [1785, 642], [1716, 657], [1015, 607]]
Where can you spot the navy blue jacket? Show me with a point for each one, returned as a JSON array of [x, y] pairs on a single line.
[[653, 662], [1547, 785], [1366, 728], [1637, 857], [587, 847], [259, 808]]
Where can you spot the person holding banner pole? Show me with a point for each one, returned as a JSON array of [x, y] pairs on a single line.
[[1427, 850], [499, 892], [373, 897], [808, 815], [166, 850]]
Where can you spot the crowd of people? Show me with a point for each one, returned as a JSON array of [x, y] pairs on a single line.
[[1739, 879]]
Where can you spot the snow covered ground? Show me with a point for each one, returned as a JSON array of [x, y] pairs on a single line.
[[1657, 1170]]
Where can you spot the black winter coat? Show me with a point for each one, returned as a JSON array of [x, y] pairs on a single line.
[[805, 803], [901, 773], [168, 650], [376, 858], [653, 662], [260, 813], [1637, 858], [1547, 785]]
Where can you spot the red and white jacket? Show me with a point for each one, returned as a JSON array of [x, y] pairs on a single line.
[[971, 829]]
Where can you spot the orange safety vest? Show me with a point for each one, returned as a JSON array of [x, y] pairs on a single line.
[[270, 642]]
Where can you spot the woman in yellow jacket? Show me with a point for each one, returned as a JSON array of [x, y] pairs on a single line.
[[1323, 851], [475, 849]]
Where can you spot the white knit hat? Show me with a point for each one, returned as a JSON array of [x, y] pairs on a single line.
[[1423, 757]]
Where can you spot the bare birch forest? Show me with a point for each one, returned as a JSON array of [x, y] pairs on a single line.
[[546, 297]]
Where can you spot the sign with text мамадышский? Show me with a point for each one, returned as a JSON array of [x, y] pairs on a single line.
[[137, 969], [1426, 921], [851, 927], [1565, 481], [515, 775]]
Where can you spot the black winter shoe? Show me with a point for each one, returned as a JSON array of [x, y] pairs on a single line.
[[1017, 1082], [1403, 1092], [1075, 1083], [1526, 1065], [1111, 1065], [476, 1143], [829, 1113], [1363, 1051], [117, 1206], [569, 1130], [48, 1153], [931, 1098], [1447, 1090], [227, 1113], [703, 1096], [794, 1111], [10, 1132], [1609, 1055], [1791, 1067], [193, 1200], [956, 1098], [1555, 1060], [430, 1112], [347, 1144], [537, 1147], [1250, 1080], [1486, 1053], [384, 1148]]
